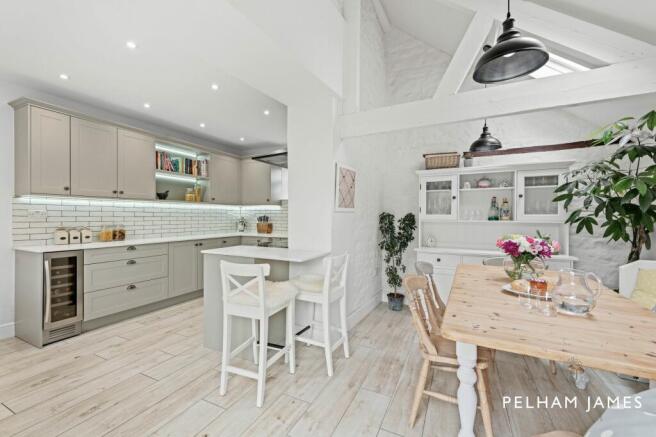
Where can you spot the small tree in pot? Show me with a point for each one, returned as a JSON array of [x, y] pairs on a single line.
[[618, 190], [393, 243]]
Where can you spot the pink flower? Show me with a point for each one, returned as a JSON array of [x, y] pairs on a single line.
[[556, 246]]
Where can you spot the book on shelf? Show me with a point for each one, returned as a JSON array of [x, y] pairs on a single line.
[[174, 164]]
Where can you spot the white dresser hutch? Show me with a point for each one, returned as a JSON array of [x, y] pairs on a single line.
[[453, 213]]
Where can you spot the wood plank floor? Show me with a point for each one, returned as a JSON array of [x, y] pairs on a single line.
[[151, 376]]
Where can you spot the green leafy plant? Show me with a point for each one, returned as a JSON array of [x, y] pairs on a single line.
[[620, 190], [394, 242]]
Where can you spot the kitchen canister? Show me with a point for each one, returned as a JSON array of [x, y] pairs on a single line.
[[61, 236], [86, 236], [73, 236]]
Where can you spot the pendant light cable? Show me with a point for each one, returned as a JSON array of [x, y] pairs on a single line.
[[508, 14]]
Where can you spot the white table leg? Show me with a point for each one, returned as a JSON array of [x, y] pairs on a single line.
[[467, 400]]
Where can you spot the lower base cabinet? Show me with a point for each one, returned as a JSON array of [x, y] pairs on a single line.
[[114, 300], [186, 263]]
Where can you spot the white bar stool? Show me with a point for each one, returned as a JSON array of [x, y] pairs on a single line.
[[324, 290], [246, 294]]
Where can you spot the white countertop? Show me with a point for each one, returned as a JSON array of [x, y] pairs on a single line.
[[481, 252], [137, 241], [271, 253]]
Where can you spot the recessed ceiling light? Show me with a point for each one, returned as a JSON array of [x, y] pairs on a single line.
[[215, 87], [242, 139], [146, 105], [131, 45], [267, 112], [63, 76], [202, 125]]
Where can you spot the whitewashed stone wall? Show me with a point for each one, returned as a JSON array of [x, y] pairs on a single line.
[[412, 71]]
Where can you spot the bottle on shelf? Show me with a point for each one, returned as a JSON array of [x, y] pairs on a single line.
[[493, 213], [504, 213]]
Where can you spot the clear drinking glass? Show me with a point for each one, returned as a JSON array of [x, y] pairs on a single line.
[[524, 296]]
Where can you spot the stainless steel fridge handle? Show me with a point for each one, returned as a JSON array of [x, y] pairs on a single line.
[[46, 313]]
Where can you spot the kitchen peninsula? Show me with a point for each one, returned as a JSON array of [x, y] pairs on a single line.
[[278, 258]]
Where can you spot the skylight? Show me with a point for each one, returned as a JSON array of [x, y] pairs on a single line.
[[557, 65]]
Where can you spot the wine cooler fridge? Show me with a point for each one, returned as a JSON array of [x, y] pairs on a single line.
[[49, 295], [62, 295]]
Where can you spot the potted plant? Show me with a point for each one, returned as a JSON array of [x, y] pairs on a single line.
[[393, 243], [618, 189]]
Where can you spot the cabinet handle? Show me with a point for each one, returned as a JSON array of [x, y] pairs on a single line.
[[195, 244], [131, 248], [453, 197], [438, 259], [131, 287], [521, 195], [130, 262], [114, 191], [200, 244], [66, 188], [120, 192], [224, 241], [213, 198]]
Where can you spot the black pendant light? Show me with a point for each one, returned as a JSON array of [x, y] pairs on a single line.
[[512, 56], [486, 141]]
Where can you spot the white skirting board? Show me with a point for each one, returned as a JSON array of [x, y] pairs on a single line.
[[7, 330]]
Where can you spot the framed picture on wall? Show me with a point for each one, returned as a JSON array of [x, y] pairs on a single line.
[[344, 188]]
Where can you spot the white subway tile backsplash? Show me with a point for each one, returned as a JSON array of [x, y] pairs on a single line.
[[141, 219]]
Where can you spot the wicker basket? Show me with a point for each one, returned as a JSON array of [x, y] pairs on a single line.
[[442, 160]]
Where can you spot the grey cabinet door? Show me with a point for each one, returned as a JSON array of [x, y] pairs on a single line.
[[255, 183], [50, 152], [136, 165], [93, 158], [183, 268], [225, 180], [214, 243]]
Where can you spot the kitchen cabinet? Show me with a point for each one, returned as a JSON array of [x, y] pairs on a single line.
[[255, 183], [225, 180], [93, 158], [279, 184], [439, 197], [186, 263], [136, 165], [183, 267], [114, 300], [535, 191], [43, 151]]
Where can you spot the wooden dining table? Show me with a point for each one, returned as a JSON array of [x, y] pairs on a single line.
[[618, 335]]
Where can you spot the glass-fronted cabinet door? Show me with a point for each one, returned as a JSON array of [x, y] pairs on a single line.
[[535, 193], [438, 197]]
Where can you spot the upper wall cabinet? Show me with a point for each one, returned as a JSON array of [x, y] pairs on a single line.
[[225, 180], [136, 165], [93, 158], [279, 184], [255, 183], [43, 150]]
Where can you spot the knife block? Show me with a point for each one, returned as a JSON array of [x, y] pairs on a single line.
[[264, 228]]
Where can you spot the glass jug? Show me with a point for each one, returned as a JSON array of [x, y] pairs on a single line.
[[576, 292]]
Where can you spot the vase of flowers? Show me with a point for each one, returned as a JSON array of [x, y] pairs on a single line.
[[526, 254]]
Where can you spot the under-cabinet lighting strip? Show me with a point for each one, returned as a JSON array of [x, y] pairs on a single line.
[[163, 204], [176, 177]]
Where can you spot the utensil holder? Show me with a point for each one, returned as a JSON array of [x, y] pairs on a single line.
[[264, 228]]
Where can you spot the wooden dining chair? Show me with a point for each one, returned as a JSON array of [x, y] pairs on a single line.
[[438, 352]]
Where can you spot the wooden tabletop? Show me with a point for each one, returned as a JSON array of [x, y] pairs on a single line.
[[618, 335]]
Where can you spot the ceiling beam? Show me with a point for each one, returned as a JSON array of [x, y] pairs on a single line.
[[627, 79], [595, 41], [466, 54]]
